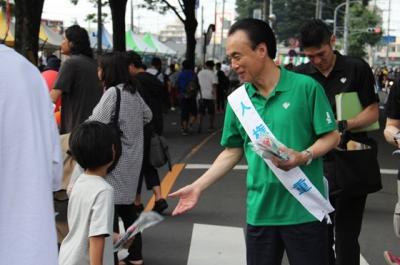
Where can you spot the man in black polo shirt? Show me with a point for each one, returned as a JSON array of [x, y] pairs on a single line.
[[337, 74]]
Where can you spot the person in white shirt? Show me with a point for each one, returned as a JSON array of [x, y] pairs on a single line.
[[31, 164], [91, 206], [208, 81]]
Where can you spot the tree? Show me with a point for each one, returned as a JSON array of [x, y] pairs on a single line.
[[28, 15], [186, 13], [118, 9], [290, 14], [362, 19]]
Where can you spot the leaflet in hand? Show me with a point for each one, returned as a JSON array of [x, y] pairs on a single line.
[[145, 220], [268, 147]]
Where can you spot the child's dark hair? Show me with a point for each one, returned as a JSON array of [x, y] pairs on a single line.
[[91, 144]]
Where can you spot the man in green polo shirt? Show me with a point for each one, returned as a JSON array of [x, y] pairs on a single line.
[[296, 110]]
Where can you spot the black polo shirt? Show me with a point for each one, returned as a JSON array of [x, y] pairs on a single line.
[[349, 74]]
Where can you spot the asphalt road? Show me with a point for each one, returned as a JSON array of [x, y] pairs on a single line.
[[212, 233]]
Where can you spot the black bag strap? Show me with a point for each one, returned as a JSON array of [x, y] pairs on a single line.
[[117, 107]]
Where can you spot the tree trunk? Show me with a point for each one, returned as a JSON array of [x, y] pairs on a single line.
[[118, 9], [28, 15], [190, 29]]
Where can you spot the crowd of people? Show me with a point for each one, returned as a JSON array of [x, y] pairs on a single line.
[[108, 109]]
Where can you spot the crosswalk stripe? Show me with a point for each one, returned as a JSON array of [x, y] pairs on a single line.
[[244, 167], [216, 245]]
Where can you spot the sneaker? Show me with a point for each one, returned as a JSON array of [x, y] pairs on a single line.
[[139, 208], [390, 258], [160, 205]]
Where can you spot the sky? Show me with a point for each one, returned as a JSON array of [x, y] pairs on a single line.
[[144, 19], [394, 17]]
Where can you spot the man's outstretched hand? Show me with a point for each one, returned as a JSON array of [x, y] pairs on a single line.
[[188, 198]]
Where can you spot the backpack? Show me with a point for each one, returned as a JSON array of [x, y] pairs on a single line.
[[191, 89]]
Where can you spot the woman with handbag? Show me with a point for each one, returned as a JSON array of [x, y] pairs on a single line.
[[133, 115]]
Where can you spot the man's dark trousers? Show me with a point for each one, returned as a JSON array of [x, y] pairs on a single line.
[[305, 244], [346, 228]]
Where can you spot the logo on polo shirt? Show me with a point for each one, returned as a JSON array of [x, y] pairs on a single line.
[[343, 80], [328, 118], [286, 105]]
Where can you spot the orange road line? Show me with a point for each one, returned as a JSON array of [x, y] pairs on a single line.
[[197, 147], [169, 179], [167, 183]]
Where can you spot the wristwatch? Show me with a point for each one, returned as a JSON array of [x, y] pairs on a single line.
[[342, 125], [309, 155]]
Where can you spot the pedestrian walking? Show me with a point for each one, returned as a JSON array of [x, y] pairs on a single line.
[[392, 136], [91, 206], [133, 115], [294, 109], [77, 80], [150, 90], [342, 74], [208, 82]]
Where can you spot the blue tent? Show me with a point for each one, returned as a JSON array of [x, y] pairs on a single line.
[[107, 42]]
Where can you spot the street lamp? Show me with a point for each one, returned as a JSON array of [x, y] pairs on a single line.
[[335, 14]]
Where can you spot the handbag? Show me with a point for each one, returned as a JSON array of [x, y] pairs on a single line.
[[159, 153], [354, 172]]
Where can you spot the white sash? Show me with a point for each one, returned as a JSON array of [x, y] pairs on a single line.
[[294, 180]]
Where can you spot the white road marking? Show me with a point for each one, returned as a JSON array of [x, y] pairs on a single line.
[[216, 245], [363, 261], [244, 167]]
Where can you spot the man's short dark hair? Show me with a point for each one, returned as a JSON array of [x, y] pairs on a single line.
[[156, 62], [218, 66], [91, 144], [314, 33], [134, 58], [185, 65], [79, 38], [210, 64], [257, 31]]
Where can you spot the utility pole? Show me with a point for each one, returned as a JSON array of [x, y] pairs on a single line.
[[99, 29], [317, 4], [266, 9], [270, 13], [215, 23], [221, 54], [203, 35], [346, 28], [388, 34], [132, 15]]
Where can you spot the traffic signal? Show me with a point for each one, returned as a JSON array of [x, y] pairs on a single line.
[[376, 30]]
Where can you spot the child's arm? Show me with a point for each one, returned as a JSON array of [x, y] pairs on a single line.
[[96, 249]]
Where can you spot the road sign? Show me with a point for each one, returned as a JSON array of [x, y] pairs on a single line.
[[388, 39]]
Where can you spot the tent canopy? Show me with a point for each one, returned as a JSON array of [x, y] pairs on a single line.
[[106, 39], [49, 37], [160, 47], [135, 43], [9, 37]]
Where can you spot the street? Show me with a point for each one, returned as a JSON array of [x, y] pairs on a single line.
[[213, 232]]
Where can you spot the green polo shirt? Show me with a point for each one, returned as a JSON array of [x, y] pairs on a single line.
[[297, 112]]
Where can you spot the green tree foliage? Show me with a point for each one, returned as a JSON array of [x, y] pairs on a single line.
[[186, 13], [362, 19], [290, 14]]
